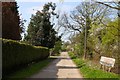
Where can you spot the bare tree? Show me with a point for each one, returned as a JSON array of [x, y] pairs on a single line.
[[113, 5], [84, 15]]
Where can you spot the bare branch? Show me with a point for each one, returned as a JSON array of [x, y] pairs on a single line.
[[118, 8]]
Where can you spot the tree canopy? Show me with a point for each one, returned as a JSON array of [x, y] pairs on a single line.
[[10, 21], [40, 30], [83, 17]]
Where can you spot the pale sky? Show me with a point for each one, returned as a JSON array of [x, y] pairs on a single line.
[[29, 8], [63, 0]]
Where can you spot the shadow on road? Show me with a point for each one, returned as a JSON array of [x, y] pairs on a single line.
[[61, 68]]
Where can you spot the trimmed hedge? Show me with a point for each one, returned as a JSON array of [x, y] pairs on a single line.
[[15, 54]]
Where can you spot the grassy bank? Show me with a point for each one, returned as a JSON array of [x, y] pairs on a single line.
[[91, 72], [30, 70]]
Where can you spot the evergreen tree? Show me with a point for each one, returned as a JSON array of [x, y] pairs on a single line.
[[10, 21], [40, 30]]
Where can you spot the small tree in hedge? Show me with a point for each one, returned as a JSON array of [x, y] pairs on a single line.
[[58, 46]]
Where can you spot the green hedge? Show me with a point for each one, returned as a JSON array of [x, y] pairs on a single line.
[[16, 54]]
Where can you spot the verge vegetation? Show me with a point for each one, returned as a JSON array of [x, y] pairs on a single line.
[[30, 70], [91, 71]]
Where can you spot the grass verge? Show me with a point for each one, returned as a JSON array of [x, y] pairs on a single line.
[[90, 72], [30, 70]]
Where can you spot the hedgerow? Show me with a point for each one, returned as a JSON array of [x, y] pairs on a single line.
[[15, 54]]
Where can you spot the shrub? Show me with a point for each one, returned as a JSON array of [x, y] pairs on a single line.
[[56, 50], [72, 55], [16, 54], [79, 62]]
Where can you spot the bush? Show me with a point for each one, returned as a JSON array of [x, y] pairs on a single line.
[[79, 62], [56, 50], [72, 55], [16, 54]]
